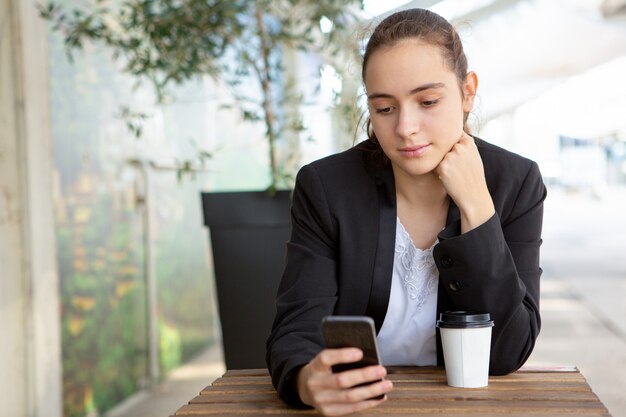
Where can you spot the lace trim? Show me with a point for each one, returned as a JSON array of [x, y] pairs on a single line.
[[418, 271]]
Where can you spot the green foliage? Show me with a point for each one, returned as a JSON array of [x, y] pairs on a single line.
[[183, 278], [103, 316], [170, 41], [163, 40], [169, 346], [103, 293], [133, 120]]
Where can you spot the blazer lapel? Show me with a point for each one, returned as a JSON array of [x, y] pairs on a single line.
[[453, 220], [444, 303], [385, 248]]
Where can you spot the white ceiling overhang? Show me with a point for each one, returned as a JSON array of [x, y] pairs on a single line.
[[522, 48]]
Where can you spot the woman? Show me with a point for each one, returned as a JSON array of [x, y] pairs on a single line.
[[418, 219]]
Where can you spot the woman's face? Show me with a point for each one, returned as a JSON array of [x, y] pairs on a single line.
[[415, 105]]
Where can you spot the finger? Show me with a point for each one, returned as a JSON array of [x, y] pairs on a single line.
[[348, 379], [466, 137], [329, 357], [343, 409], [357, 394]]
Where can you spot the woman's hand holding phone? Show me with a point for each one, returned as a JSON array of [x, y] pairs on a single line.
[[335, 394]]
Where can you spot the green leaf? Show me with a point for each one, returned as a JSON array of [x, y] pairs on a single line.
[[169, 42]]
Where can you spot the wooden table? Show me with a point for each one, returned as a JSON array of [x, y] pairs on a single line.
[[418, 391]]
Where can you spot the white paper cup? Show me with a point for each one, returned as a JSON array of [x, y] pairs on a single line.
[[466, 341]]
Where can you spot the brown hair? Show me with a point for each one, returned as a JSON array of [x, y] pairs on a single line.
[[428, 27]]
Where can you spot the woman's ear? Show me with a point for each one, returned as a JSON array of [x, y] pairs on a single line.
[[470, 85]]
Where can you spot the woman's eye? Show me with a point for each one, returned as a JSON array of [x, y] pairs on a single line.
[[429, 103], [383, 110]]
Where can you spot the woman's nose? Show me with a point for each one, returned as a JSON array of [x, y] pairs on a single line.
[[408, 123]]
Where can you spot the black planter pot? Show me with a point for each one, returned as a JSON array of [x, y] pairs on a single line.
[[249, 232]]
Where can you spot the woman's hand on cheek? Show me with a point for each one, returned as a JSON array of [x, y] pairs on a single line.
[[462, 174], [332, 394]]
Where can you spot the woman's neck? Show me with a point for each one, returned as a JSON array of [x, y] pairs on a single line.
[[422, 207], [424, 190]]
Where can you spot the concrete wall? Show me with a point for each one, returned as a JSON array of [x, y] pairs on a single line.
[[30, 358]]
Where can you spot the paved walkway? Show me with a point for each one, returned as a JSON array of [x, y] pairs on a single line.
[[181, 385], [584, 290], [583, 308]]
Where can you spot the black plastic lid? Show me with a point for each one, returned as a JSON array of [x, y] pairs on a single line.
[[464, 320]]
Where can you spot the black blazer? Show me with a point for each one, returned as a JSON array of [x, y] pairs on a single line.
[[341, 251]]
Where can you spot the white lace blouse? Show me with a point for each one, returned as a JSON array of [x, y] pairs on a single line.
[[408, 336]]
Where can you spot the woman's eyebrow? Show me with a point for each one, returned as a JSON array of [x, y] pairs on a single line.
[[410, 93]]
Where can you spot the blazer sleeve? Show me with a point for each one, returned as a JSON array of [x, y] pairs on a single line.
[[495, 268], [308, 288]]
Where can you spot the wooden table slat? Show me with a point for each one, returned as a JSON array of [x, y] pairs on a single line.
[[297, 413], [410, 369], [263, 380], [497, 385], [412, 395], [245, 372], [237, 388]]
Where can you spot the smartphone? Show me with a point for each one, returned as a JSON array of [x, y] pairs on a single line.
[[352, 331]]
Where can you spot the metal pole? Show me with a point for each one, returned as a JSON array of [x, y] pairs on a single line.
[[145, 167], [144, 199], [151, 283]]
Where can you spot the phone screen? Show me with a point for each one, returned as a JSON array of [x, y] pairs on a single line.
[[352, 331]]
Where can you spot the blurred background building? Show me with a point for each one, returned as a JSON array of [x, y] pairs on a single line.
[[105, 275]]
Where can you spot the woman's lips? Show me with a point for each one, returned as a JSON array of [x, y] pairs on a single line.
[[414, 151]]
